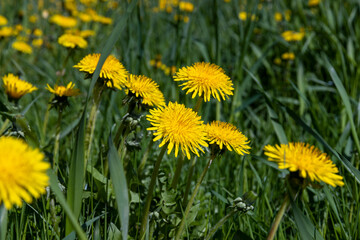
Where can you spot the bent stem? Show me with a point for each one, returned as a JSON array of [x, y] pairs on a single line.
[[179, 165], [188, 181], [149, 195], [219, 224], [278, 218], [192, 198]]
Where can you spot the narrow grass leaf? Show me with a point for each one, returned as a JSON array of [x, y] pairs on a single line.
[[72, 235], [61, 199], [77, 174], [120, 187], [3, 222], [305, 227], [345, 99]]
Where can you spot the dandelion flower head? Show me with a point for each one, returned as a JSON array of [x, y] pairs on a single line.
[[3, 20], [313, 3], [205, 79], [63, 21], [113, 72], [22, 46], [64, 91], [15, 88], [146, 89], [23, 172], [72, 41], [308, 160], [222, 133], [179, 126]]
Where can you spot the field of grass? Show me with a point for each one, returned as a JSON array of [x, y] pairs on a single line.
[[296, 78]]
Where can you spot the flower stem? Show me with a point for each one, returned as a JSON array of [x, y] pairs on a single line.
[[98, 90], [188, 181], [192, 198], [198, 104], [219, 224], [179, 164], [149, 195], [144, 158], [278, 218], [57, 143]]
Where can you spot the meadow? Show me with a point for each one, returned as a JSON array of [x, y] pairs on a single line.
[[169, 119]]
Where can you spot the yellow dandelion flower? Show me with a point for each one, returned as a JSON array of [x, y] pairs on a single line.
[[243, 16], [33, 18], [222, 133], [15, 88], [63, 21], [277, 61], [205, 78], [38, 42], [180, 127], [291, 36], [113, 72], [85, 17], [64, 91], [38, 32], [313, 3], [186, 6], [72, 41], [278, 17], [3, 20], [307, 160], [87, 33], [23, 172], [6, 32], [146, 89], [22, 47], [288, 56]]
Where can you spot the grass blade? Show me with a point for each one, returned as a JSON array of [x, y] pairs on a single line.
[[305, 227], [120, 187], [61, 199], [3, 222], [72, 235], [345, 98], [77, 174]]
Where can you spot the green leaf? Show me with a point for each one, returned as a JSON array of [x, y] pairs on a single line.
[[345, 98], [61, 199], [306, 228], [118, 178], [3, 222], [77, 174], [72, 235]]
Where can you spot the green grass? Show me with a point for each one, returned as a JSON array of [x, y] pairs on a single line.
[[313, 98]]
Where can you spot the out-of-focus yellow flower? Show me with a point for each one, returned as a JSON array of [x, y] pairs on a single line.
[[38, 42], [3, 20], [178, 17], [244, 15], [291, 36], [6, 32], [33, 18], [38, 32], [313, 3], [259, 6], [85, 17], [22, 47], [102, 19], [287, 15], [277, 61], [23, 172], [278, 17], [288, 56], [186, 6], [63, 21], [88, 2], [227, 1], [72, 41], [87, 33]]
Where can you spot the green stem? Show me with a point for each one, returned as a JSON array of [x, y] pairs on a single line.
[[46, 119], [149, 195], [188, 181], [98, 90], [179, 164], [198, 103], [3, 222], [278, 218], [144, 158], [57, 142], [219, 224], [192, 198]]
